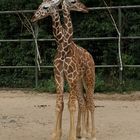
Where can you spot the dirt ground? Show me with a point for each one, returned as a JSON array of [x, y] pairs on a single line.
[[28, 115]]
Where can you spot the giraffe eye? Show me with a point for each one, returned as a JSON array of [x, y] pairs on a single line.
[[45, 7], [73, 2]]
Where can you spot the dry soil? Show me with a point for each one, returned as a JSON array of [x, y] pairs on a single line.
[[28, 115]]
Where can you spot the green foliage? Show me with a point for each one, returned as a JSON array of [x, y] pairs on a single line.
[[100, 84], [47, 85], [96, 23]]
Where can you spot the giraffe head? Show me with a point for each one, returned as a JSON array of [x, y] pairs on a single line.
[[45, 9], [75, 5]]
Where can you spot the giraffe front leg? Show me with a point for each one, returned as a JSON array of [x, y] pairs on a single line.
[[93, 131], [59, 106], [83, 132], [78, 127], [87, 124], [83, 120], [59, 110], [91, 107], [72, 110]]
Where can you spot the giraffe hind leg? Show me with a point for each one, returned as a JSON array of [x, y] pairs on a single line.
[[81, 120], [89, 82], [72, 110], [78, 127], [91, 108]]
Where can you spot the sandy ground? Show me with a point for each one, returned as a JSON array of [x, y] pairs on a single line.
[[27, 115]]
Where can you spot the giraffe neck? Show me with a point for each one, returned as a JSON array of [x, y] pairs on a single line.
[[59, 34], [57, 28], [68, 27]]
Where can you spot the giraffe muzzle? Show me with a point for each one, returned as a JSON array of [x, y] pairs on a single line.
[[33, 19]]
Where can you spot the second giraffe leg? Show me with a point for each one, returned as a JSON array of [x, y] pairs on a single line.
[[87, 123], [81, 120], [72, 110], [59, 106], [78, 127], [93, 131], [83, 132], [59, 110], [91, 108]]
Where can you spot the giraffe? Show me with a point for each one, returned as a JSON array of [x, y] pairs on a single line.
[[75, 5], [71, 62]]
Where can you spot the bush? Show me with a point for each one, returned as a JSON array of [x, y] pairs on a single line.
[[47, 86]]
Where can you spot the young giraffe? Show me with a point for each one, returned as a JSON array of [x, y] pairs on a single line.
[[66, 65], [88, 80]]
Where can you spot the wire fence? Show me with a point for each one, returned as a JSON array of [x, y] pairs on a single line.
[[119, 8]]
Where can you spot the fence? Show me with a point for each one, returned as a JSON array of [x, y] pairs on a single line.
[[119, 8]]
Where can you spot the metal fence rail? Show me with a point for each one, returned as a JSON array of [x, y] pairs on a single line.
[[119, 8], [77, 39], [91, 8], [97, 66]]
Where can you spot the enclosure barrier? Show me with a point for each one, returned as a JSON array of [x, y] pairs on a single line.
[[119, 8]]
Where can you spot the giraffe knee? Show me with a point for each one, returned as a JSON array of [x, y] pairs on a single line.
[[72, 106], [90, 104], [82, 104], [91, 108], [82, 108], [72, 102], [59, 106]]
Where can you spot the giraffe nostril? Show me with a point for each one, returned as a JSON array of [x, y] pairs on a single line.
[[33, 19]]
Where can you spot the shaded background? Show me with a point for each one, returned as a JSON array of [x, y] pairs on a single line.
[[96, 23]]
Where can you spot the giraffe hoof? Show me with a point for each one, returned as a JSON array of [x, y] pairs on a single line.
[[93, 138], [55, 137], [88, 135], [72, 138], [83, 138], [79, 136]]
